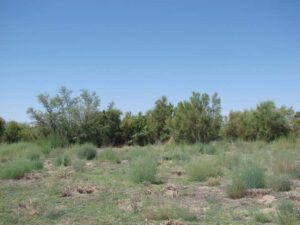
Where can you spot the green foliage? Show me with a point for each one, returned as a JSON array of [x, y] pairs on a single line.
[[247, 176], [253, 175], [16, 169], [208, 149], [158, 130], [87, 151], [109, 155], [200, 170], [134, 129], [2, 128], [16, 150], [62, 160], [287, 214], [33, 156], [237, 188], [262, 218], [143, 169], [12, 132], [197, 120], [266, 123], [279, 182]]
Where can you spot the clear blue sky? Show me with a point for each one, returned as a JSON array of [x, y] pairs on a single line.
[[133, 52]]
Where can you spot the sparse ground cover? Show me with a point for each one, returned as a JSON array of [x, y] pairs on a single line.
[[219, 183]]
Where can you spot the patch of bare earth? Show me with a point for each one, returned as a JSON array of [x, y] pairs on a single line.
[[77, 191]]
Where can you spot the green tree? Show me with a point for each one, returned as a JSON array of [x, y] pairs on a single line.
[[12, 132], [272, 122], [296, 124], [157, 118], [134, 129], [2, 128], [198, 119], [67, 117]]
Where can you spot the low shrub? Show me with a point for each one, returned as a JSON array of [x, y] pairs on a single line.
[[109, 155], [16, 169], [87, 151], [62, 160], [237, 188], [253, 175], [200, 170], [143, 169], [279, 182]]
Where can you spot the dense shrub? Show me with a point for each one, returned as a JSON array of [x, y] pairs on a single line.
[[2, 128], [197, 120], [87, 151], [12, 132], [200, 170], [266, 122], [143, 169]]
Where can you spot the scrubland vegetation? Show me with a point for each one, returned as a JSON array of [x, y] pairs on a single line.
[[184, 164]]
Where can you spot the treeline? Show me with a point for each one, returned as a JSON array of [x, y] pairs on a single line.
[[66, 119]]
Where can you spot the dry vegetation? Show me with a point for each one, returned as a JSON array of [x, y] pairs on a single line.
[[220, 183]]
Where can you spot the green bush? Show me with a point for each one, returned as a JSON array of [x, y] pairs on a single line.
[[200, 170], [109, 155], [143, 169], [62, 160], [237, 188], [87, 151], [253, 176], [250, 175], [280, 183], [16, 169], [287, 214]]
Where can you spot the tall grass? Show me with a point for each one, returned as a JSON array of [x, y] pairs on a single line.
[[18, 168], [143, 169], [200, 170]]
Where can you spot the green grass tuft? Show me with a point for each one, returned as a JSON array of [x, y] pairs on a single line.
[[202, 169], [143, 169], [87, 151]]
